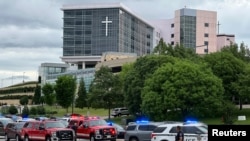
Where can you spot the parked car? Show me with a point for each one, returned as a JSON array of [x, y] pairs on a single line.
[[119, 111], [140, 131], [3, 124], [192, 132], [13, 131], [120, 130], [48, 130], [93, 128]]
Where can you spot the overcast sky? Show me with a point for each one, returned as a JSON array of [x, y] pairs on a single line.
[[31, 30]]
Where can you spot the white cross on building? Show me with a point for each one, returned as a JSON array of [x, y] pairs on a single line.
[[106, 22]]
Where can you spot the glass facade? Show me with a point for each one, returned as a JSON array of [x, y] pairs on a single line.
[[188, 31], [90, 32], [86, 74], [51, 69]]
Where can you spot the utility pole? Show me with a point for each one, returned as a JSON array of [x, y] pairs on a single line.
[[23, 76], [218, 24]]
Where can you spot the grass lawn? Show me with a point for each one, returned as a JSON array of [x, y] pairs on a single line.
[[85, 111], [104, 112], [245, 112]]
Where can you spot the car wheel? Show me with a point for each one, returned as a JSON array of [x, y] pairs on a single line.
[[17, 138], [6, 137], [48, 139], [133, 139], [92, 138], [26, 138]]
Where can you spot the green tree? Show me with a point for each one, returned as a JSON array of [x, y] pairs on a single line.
[[37, 95], [241, 52], [242, 85], [65, 90], [183, 87], [178, 50], [40, 110], [229, 68], [104, 89], [162, 48], [49, 95], [229, 112], [135, 77], [122, 77], [81, 100], [12, 110], [24, 100], [33, 110], [42, 100]]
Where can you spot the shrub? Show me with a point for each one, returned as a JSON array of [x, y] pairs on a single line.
[[33, 110], [12, 110], [40, 110]]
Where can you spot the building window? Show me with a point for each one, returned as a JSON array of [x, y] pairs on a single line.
[[172, 35], [88, 42], [206, 35], [206, 24], [172, 43], [206, 43], [78, 42], [88, 13], [148, 36], [148, 43], [78, 23], [87, 32], [78, 32], [172, 25], [88, 22], [79, 12]]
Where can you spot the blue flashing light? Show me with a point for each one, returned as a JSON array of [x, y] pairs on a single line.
[[142, 121], [191, 121], [110, 123], [25, 119]]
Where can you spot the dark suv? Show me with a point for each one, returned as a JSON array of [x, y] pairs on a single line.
[[13, 130], [3, 124], [140, 131]]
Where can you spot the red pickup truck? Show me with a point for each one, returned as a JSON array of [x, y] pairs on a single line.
[[46, 131], [93, 128]]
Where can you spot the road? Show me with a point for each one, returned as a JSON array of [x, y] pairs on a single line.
[[2, 139]]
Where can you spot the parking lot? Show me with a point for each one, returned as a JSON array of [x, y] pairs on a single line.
[[2, 139]]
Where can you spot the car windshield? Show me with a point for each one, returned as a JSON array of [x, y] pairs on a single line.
[[97, 122], [19, 125], [56, 124], [203, 129], [6, 121], [64, 122]]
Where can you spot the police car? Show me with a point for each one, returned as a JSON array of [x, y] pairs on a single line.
[[192, 132]]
